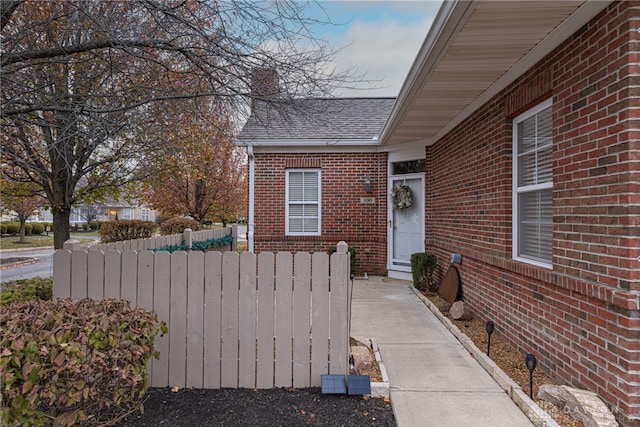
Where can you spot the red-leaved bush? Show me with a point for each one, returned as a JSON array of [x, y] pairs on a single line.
[[178, 225], [74, 363]]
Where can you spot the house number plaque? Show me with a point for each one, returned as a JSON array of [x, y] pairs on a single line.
[[368, 200]]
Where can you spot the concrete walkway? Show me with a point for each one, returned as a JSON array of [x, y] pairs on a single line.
[[434, 381]]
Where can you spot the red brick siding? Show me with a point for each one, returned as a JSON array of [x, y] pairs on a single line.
[[581, 319], [362, 226]]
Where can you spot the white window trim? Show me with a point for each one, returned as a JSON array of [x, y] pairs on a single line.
[[516, 190], [286, 203]]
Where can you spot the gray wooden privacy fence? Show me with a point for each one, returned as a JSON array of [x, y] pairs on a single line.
[[173, 239], [235, 320]]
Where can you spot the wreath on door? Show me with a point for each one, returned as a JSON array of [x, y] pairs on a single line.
[[402, 197]]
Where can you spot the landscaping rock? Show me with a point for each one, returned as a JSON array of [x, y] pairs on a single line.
[[582, 405], [362, 357], [365, 342], [460, 311]]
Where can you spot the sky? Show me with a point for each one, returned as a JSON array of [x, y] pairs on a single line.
[[380, 38]]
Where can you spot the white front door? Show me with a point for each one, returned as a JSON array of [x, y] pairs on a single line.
[[406, 226]]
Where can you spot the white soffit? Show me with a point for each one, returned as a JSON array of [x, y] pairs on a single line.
[[474, 50]]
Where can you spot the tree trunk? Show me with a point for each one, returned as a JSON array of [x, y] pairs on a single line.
[[60, 226], [22, 231], [460, 311]]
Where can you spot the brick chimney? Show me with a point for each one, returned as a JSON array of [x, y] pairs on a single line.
[[265, 84]]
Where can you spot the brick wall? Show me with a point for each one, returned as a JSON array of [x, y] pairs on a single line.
[[581, 319], [362, 226]]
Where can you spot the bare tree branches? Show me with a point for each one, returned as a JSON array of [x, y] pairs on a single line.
[[83, 82], [7, 7]]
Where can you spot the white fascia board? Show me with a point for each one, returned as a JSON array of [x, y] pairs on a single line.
[[409, 152], [307, 142], [407, 146], [310, 146], [316, 149], [342, 146]]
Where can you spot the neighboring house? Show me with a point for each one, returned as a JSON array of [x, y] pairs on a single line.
[[106, 211], [517, 131]]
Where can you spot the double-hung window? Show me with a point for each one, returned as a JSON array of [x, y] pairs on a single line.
[[533, 185], [303, 192]]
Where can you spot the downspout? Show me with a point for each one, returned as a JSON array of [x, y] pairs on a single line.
[[250, 223]]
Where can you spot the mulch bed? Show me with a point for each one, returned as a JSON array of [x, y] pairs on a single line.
[[510, 360], [274, 407]]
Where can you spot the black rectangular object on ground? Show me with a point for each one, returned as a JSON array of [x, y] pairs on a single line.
[[359, 384], [333, 384]]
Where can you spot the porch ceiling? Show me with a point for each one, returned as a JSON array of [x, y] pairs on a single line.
[[473, 50]]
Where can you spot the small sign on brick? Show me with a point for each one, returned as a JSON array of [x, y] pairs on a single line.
[[368, 200]]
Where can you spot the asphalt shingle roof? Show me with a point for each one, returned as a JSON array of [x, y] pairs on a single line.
[[318, 119]]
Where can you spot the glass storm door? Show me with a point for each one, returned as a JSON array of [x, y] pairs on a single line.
[[406, 225]]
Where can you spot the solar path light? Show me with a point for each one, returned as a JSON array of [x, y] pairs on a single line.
[[489, 329], [531, 363]]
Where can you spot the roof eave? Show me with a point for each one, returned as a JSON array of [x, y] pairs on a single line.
[[450, 19], [444, 25]]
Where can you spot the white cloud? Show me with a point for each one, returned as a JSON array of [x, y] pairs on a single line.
[[384, 52]]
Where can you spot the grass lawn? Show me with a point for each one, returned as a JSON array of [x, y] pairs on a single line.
[[13, 242]]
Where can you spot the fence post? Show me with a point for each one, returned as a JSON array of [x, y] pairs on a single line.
[[339, 300], [187, 238], [234, 234], [71, 245]]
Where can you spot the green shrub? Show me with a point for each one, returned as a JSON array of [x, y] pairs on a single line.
[[37, 228], [12, 227], [126, 229], [202, 245], [3, 228], [28, 228], [94, 225], [178, 225], [85, 226], [67, 363], [352, 260], [26, 290], [423, 267]]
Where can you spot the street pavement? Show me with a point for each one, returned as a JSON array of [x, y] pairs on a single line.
[[40, 262]]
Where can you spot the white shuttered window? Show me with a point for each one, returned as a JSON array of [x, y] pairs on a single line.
[[303, 202], [533, 185]]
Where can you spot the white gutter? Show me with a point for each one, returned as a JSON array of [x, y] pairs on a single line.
[[288, 142], [250, 220]]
